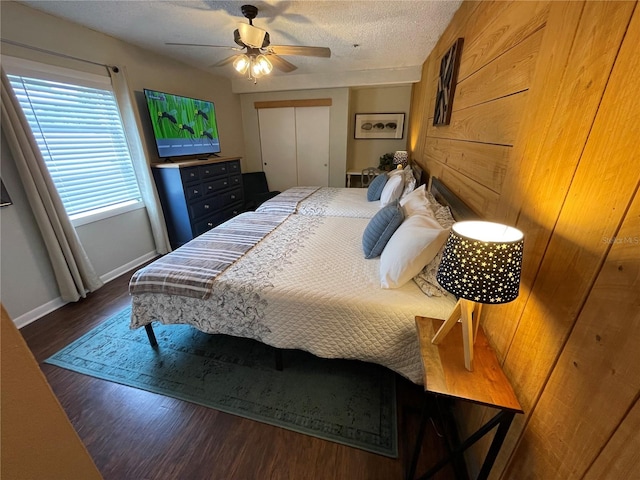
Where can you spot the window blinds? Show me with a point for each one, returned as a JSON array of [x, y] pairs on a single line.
[[79, 132]]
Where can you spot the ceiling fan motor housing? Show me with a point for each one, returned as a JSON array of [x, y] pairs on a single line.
[[248, 36]]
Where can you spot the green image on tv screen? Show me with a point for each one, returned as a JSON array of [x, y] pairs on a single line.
[[182, 125]]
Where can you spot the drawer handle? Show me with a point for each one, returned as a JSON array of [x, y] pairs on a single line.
[[209, 187], [206, 207], [224, 169], [209, 224], [233, 197], [207, 172], [225, 184], [192, 174], [195, 192], [235, 212]]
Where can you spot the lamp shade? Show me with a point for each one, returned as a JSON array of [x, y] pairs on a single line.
[[401, 157], [482, 262]]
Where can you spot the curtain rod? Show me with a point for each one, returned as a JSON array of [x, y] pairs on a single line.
[[63, 55]]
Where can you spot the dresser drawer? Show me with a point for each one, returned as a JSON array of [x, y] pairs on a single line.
[[189, 174], [194, 191], [231, 197], [214, 170], [235, 180], [216, 185], [205, 207], [207, 224], [234, 167]]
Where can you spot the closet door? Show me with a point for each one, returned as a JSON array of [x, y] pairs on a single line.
[[278, 145], [312, 145]]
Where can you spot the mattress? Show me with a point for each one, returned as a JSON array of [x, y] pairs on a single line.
[[307, 286], [327, 201]]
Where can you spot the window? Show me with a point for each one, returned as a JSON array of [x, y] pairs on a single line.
[[80, 135]]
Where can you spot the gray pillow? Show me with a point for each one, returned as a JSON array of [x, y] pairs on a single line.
[[375, 187], [380, 229]]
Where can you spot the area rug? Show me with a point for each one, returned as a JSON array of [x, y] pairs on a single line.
[[343, 401]]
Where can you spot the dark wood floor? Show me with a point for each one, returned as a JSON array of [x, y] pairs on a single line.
[[133, 434]]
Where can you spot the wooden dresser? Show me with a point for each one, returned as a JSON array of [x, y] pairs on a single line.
[[197, 195]]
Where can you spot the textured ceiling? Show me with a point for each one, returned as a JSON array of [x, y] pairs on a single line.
[[388, 34]]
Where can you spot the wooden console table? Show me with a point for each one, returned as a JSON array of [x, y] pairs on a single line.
[[446, 376]]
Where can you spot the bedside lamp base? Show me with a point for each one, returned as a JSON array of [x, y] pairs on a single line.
[[466, 312]]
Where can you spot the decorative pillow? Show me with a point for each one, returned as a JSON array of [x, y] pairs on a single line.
[[409, 183], [375, 187], [392, 190], [410, 248], [416, 203], [426, 279], [380, 229]]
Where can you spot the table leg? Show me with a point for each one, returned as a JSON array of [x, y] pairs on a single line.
[[496, 444], [424, 417], [348, 180]]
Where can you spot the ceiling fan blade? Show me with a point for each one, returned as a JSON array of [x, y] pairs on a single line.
[[299, 50], [200, 45], [281, 64], [225, 61]]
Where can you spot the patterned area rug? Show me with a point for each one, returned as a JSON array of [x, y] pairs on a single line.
[[343, 401]]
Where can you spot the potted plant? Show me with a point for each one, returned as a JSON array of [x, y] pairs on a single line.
[[386, 162]]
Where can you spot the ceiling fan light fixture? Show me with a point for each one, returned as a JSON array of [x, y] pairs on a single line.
[[265, 65], [242, 63]]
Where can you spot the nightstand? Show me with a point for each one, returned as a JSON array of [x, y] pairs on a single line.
[[446, 376]]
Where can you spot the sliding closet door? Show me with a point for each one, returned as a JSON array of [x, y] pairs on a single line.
[[312, 145], [278, 145]]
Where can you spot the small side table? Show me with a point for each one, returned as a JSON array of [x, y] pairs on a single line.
[[446, 376]]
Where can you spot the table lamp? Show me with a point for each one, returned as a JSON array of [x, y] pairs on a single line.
[[401, 157], [481, 263]]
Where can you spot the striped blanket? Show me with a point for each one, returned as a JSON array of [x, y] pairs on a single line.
[[191, 270], [287, 201]]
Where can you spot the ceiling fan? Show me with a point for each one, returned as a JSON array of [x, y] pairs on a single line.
[[257, 56]]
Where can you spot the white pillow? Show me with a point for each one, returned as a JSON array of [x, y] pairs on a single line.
[[409, 183], [410, 248], [392, 190], [416, 203]]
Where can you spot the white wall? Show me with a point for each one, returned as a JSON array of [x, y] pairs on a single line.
[[386, 99], [338, 127], [27, 288]]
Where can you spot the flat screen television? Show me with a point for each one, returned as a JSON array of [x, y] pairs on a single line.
[[182, 126]]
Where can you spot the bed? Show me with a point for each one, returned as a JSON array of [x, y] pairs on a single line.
[[331, 201], [293, 284]]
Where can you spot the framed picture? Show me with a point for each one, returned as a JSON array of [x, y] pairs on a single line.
[[447, 83], [5, 199], [379, 125]]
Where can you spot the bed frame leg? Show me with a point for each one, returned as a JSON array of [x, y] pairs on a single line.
[[278, 359], [152, 336]]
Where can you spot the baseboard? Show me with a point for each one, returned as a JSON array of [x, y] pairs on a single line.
[[107, 277], [33, 315]]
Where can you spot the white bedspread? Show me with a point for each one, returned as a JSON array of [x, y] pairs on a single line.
[[332, 201], [308, 286]]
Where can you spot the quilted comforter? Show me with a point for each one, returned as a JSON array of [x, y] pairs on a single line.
[[323, 201], [306, 285]]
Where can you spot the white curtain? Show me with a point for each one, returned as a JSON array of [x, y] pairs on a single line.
[[140, 164], [71, 266]]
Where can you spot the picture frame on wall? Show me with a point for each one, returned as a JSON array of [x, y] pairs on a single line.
[[449, 65], [5, 199], [379, 125]]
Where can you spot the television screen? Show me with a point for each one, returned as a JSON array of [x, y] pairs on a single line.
[[181, 125]]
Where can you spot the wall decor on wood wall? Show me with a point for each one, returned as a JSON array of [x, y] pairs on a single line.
[[447, 83], [379, 125], [5, 199]]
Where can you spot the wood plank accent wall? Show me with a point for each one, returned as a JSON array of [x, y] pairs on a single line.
[[542, 137]]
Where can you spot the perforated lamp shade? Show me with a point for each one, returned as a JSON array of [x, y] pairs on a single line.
[[401, 157], [482, 262]]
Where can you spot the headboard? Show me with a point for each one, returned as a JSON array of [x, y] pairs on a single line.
[[444, 196]]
